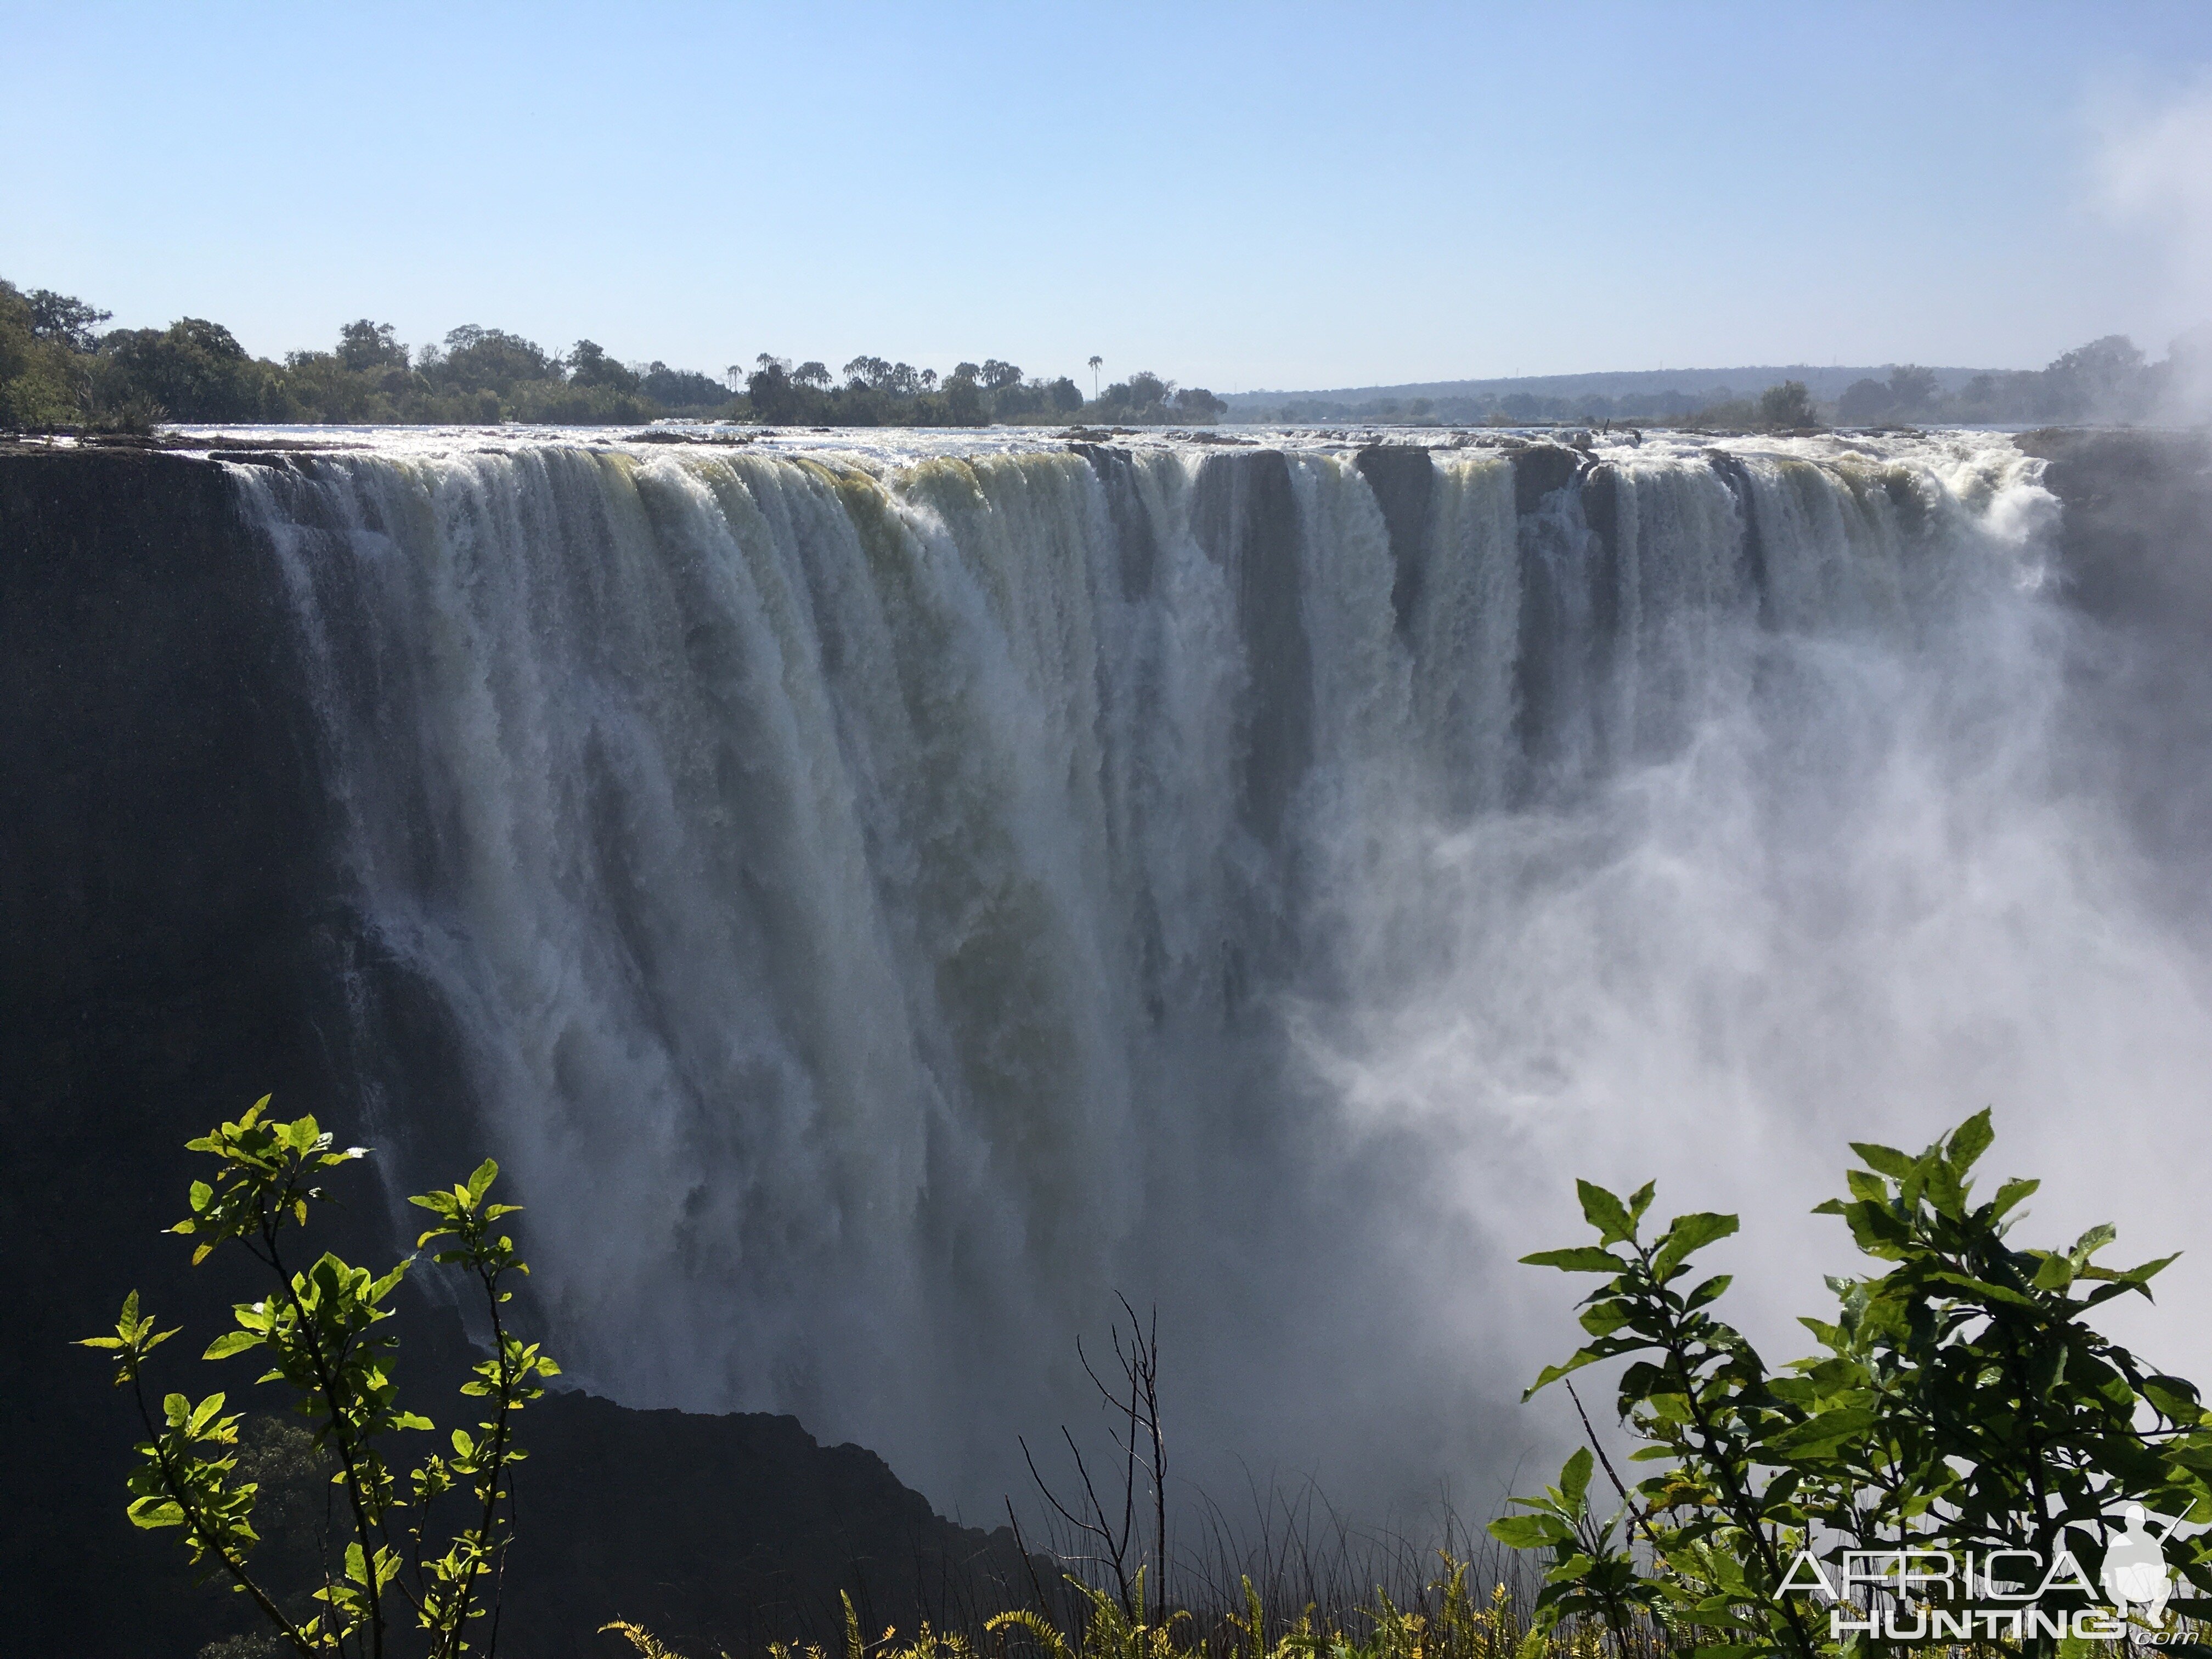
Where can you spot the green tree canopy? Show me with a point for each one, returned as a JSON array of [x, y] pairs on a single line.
[[365, 347], [68, 320], [589, 365], [1788, 406]]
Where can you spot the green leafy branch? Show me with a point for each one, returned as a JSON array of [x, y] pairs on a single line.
[[320, 1332], [1962, 1395], [1697, 1392]]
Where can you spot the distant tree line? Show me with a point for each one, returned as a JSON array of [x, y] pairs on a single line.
[[2108, 379], [59, 368], [873, 392]]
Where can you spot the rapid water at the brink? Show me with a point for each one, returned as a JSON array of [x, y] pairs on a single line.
[[877, 906]]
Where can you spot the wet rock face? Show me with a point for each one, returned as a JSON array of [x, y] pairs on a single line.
[[1246, 518], [171, 929], [1404, 481], [159, 849], [157, 795], [2136, 550], [1132, 526], [727, 1533], [1540, 468], [2136, 534]]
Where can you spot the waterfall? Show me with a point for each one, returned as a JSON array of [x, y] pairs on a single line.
[[878, 903]]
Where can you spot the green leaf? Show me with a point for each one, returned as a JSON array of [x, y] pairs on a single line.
[[1946, 1191], [486, 1173], [1525, 1532], [1603, 1318], [1983, 1289], [1686, 1233], [1969, 1141], [1827, 1429], [2174, 1397], [1710, 1291], [231, 1342], [2149, 1270], [2054, 1273], [2010, 1194], [2093, 1241], [1579, 1259], [1887, 1160], [1575, 1477], [1605, 1213], [1913, 1185], [1574, 1568], [1549, 1374], [1875, 1230], [151, 1513]]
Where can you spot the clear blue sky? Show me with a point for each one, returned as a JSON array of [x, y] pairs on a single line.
[[1237, 196]]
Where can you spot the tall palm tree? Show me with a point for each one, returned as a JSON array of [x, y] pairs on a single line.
[[1094, 362]]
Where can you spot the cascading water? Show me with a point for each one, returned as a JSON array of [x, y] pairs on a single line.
[[882, 902]]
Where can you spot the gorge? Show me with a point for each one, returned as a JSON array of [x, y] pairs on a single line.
[[881, 898]]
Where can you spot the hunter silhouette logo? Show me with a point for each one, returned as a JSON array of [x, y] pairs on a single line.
[[2135, 1570]]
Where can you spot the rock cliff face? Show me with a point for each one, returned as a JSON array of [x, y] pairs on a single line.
[[2138, 525], [727, 1533], [168, 932], [2136, 546], [157, 838]]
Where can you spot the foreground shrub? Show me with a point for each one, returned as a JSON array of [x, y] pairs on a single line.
[[319, 1331], [1962, 1403]]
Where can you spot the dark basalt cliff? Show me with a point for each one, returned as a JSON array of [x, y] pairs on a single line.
[[2136, 537], [157, 829], [2135, 553], [169, 918]]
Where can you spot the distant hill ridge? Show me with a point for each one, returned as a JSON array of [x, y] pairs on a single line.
[[1827, 382]]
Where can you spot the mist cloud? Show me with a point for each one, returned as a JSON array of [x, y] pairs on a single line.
[[2153, 173]]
